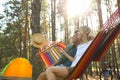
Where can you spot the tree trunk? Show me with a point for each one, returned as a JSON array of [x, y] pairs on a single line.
[[26, 35], [118, 2], [35, 26], [35, 16], [100, 13], [66, 23], [53, 19]]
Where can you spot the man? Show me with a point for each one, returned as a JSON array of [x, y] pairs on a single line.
[[64, 60], [71, 50]]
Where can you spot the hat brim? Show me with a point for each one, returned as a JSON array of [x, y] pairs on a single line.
[[41, 44]]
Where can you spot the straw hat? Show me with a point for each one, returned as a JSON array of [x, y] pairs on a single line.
[[38, 40]]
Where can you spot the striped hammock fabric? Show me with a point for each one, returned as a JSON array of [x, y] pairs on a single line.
[[100, 45], [51, 54], [96, 50]]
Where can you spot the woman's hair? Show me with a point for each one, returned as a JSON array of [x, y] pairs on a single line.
[[85, 30]]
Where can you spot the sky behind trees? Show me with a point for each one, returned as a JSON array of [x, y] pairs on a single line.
[[1, 5]]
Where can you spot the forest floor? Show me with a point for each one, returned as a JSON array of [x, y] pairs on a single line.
[[93, 78]]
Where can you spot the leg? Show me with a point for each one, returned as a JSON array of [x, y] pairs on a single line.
[[42, 76], [56, 71]]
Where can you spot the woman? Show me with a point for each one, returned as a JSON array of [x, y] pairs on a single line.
[[55, 72]]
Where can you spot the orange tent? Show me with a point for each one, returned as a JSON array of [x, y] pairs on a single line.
[[18, 67]]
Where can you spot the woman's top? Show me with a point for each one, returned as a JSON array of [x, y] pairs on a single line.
[[80, 51]]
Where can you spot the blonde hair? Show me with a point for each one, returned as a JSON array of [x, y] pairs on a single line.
[[85, 30]]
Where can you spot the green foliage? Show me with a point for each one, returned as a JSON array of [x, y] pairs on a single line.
[[12, 33]]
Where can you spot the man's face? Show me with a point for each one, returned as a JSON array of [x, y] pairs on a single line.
[[76, 37]]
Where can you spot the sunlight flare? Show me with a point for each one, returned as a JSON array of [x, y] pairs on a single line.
[[77, 7]]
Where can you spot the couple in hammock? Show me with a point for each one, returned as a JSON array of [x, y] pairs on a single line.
[[81, 39]]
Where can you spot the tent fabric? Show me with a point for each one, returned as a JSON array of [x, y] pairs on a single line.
[[17, 68]]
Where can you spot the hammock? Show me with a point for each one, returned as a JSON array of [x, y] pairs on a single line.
[[51, 54], [99, 46]]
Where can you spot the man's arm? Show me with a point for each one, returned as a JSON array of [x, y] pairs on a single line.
[[63, 58]]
